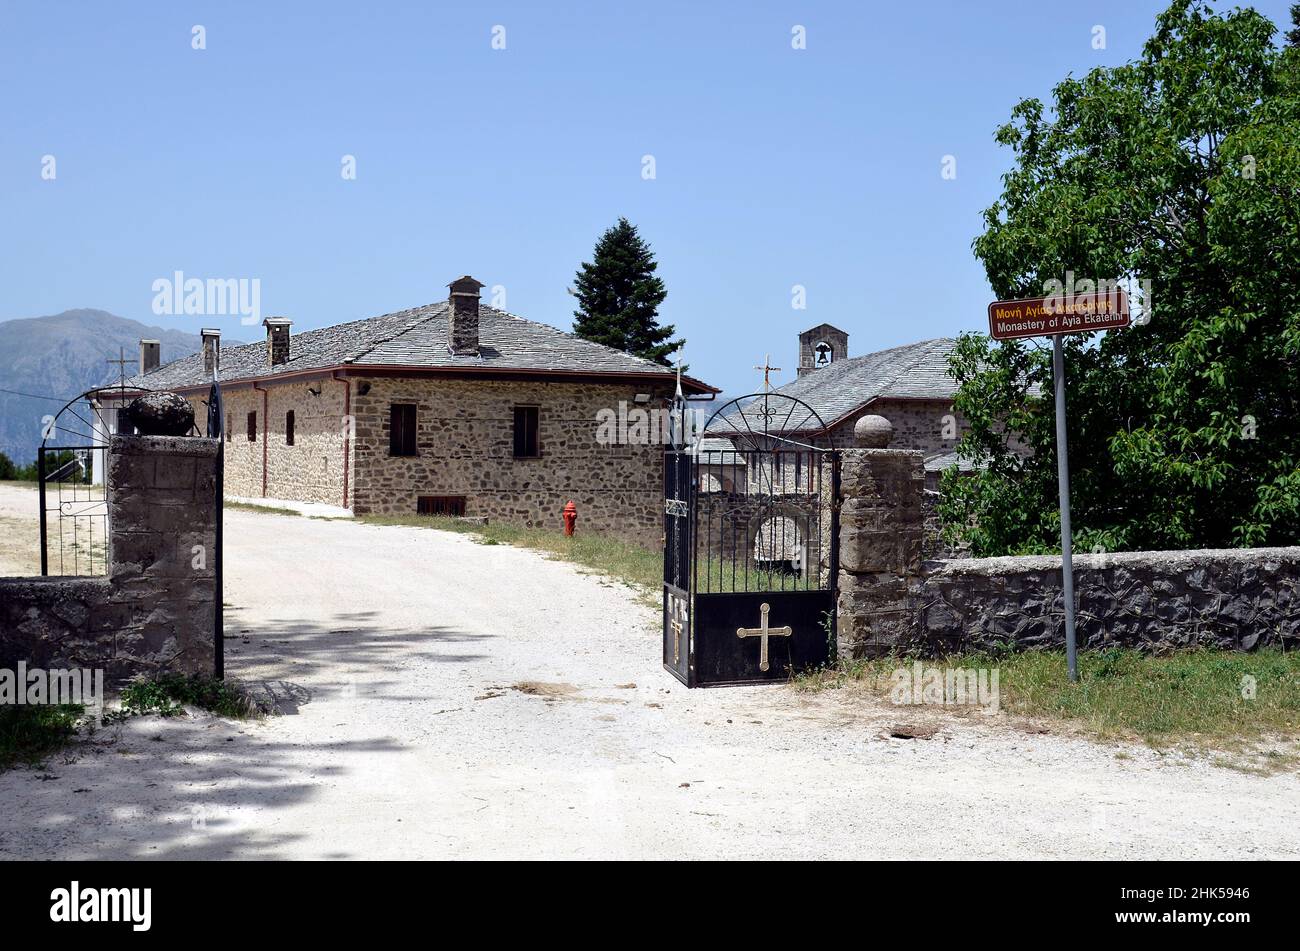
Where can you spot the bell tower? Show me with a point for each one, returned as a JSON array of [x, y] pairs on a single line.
[[821, 346]]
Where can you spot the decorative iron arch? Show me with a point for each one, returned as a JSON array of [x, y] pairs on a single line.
[[763, 421]]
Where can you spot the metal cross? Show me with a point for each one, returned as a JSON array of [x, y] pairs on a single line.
[[768, 369], [677, 641], [121, 362], [764, 632]]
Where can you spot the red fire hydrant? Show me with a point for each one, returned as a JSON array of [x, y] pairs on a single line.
[[570, 517]]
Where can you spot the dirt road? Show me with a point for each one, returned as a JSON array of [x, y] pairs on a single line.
[[450, 699]]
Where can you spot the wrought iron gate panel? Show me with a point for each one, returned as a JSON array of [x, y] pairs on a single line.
[[750, 513], [678, 483], [797, 635]]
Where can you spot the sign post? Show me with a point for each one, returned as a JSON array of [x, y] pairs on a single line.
[[1063, 486], [1054, 317]]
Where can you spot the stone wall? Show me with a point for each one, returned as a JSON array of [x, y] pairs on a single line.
[[464, 442], [311, 470], [918, 424], [1233, 599], [890, 599], [881, 537], [154, 611]]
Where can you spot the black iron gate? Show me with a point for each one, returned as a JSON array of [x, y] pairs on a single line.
[[750, 546]]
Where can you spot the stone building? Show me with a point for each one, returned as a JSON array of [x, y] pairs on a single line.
[[760, 478], [908, 385], [453, 408]]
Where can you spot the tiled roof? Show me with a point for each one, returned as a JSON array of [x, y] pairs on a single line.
[[913, 371], [416, 338]]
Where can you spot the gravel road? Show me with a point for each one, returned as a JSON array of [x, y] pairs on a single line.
[[445, 698]]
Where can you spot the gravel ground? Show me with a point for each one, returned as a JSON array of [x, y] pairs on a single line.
[[445, 698]]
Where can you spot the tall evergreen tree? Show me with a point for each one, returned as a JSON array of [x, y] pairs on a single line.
[[619, 296], [1293, 34]]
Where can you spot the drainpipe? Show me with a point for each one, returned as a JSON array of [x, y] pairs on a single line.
[[266, 426], [347, 411]]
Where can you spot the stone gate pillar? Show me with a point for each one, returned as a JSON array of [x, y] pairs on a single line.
[[882, 523]]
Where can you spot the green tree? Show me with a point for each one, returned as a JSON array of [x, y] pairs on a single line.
[[7, 468], [1181, 168], [1293, 34], [619, 296]]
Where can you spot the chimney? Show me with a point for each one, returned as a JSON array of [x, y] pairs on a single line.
[[149, 355], [211, 350], [462, 316], [277, 340]]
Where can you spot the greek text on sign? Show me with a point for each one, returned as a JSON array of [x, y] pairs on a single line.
[[1062, 314]]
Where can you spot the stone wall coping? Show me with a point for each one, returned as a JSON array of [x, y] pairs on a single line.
[[860, 453], [194, 446], [1162, 560], [54, 584]]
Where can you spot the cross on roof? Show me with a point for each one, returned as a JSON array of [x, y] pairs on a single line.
[[768, 370], [121, 362]]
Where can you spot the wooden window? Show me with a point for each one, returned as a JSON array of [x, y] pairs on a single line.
[[252, 426], [526, 418], [288, 428], [401, 429], [440, 505]]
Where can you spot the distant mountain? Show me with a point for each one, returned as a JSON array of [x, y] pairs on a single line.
[[52, 359]]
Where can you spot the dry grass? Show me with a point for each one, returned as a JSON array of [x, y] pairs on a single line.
[[1235, 703], [639, 567], [20, 547]]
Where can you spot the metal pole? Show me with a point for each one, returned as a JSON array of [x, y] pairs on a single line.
[[1063, 480], [40, 482]]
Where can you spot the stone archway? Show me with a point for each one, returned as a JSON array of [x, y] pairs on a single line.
[[778, 537]]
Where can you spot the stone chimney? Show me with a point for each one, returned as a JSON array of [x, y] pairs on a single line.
[[462, 316], [211, 350], [277, 340], [150, 355]]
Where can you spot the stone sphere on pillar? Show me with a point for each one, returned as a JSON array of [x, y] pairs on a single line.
[[873, 432]]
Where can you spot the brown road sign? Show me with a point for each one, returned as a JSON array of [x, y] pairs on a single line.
[[1061, 314]]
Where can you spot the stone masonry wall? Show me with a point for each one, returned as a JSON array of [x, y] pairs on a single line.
[[881, 536], [892, 600], [1233, 599], [311, 470], [464, 440], [918, 424], [154, 610]]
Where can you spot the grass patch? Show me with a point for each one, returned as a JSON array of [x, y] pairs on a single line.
[[169, 694], [29, 734], [265, 509], [640, 567], [1203, 696]]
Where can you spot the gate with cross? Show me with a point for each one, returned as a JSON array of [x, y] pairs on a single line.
[[750, 545]]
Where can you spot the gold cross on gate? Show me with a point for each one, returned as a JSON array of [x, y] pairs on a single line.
[[764, 632], [767, 369], [677, 641]]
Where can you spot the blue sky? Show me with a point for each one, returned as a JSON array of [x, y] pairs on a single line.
[[774, 166]]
